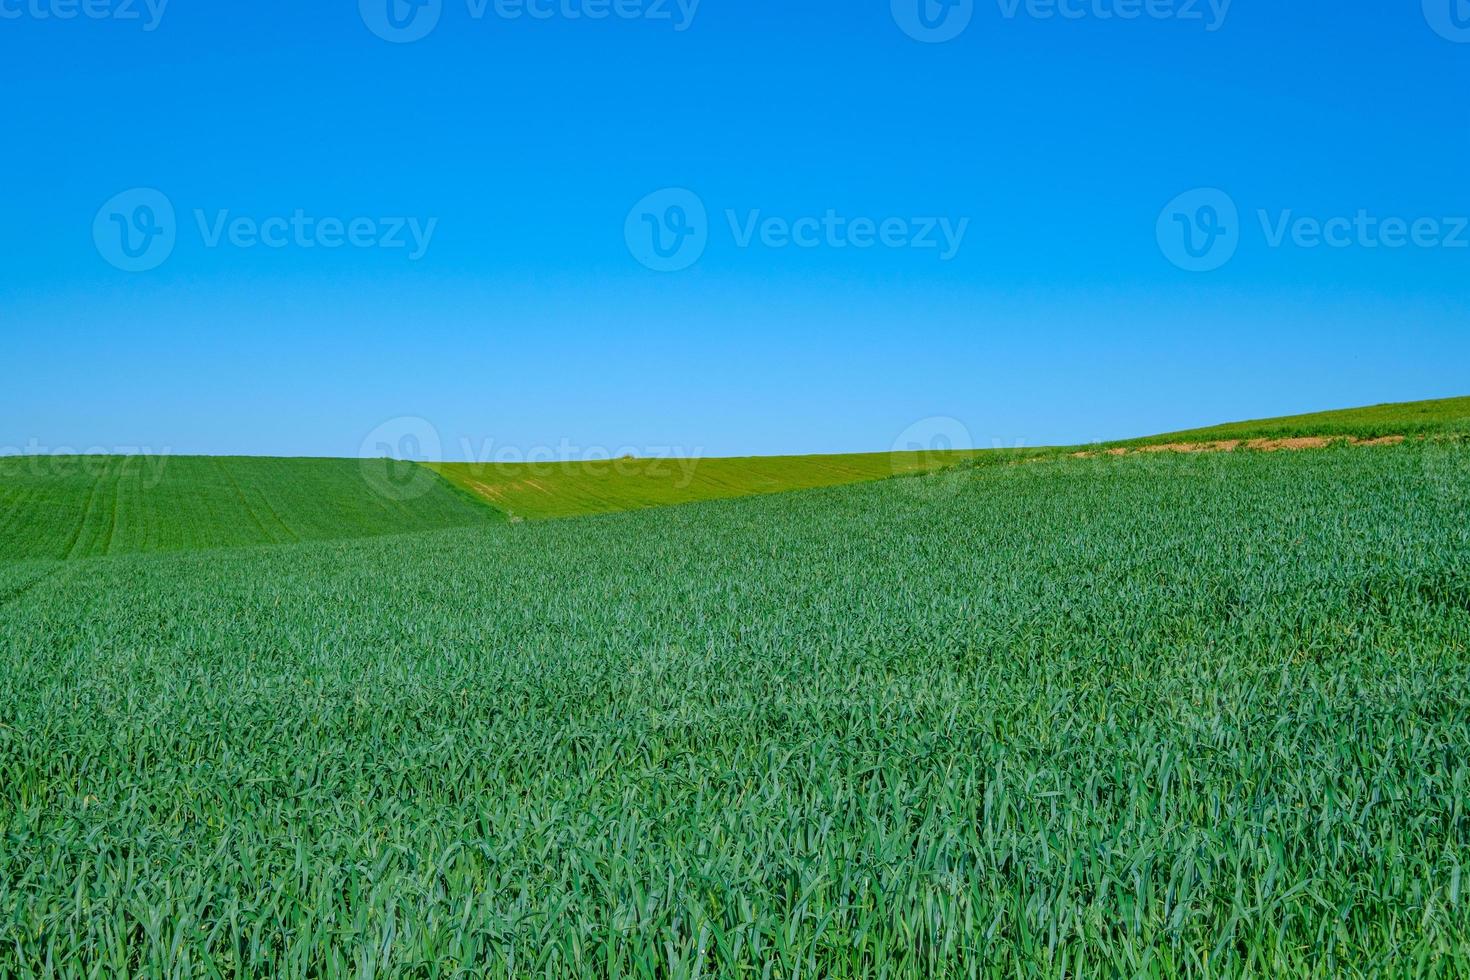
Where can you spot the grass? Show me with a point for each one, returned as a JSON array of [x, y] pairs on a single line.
[[568, 489], [78, 506], [1150, 716], [1440, 417]]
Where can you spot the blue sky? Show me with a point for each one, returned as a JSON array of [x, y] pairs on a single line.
[[529, 152]]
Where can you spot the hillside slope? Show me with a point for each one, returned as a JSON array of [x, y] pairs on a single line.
[[1212, 713], [60, 507], [78, 506], [568, 489], [1423, 418]]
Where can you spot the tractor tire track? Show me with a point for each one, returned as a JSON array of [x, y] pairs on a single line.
[[71, 547]]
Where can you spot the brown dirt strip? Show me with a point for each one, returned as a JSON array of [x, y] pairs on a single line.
[[1231, 445]]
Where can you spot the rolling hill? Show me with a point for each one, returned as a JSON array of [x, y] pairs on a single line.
[[1157, 713], [1441, 416], [569, 489], [566, 489], [1164, 716], [80, 506]]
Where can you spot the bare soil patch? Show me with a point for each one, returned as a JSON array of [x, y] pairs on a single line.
[[1293, 444]]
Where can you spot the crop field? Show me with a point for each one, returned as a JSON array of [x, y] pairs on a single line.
[[80, 506], [570, 489], [77, 506], [1153, 715], [1440, 417]]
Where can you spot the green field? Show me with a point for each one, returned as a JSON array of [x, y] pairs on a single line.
[[1147, 715], [77, 506], [1106, 717], [1444, 416], [569, 489], [74, 506]]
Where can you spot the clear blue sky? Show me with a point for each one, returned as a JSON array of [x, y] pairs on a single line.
[[528, 319]]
